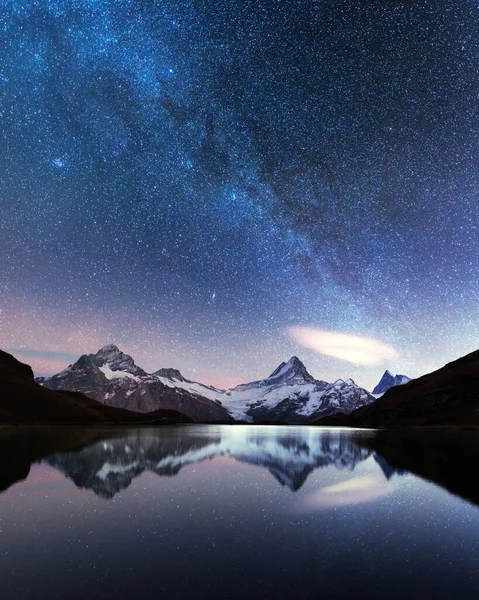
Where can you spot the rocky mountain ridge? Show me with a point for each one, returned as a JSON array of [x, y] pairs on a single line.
[[387, 381], [23, 400], [112, 378], [289, 395], [446, 397]]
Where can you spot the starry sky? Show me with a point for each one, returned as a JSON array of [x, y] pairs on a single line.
[[197, 181]]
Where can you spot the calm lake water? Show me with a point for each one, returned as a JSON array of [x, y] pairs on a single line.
[[238, 512]]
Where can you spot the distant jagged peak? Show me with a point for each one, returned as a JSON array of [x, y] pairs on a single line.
[[109, 350], [348, 381], [388, 380], [292, 363], [169, 373], [387, 373], [294, 368], [112, 358], [288, 373]]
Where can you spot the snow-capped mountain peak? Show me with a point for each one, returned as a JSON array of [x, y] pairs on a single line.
[[112, 377], [289, 395], [388, 380], [288, 373], [293, 370], [169, 373], [108, 350], [111, 359]]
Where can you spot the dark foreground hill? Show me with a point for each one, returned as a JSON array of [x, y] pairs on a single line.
[[448, 396], [24, 400]]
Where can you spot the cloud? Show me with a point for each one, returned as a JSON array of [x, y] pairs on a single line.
[[358, 490], [351, 348]]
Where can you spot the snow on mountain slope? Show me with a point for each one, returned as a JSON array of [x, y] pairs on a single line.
[[290, 394], [388, 380], [110, 374], [113, 378], [290, 373], [199, 389]]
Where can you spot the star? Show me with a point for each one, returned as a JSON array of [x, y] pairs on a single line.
[[314, 162]]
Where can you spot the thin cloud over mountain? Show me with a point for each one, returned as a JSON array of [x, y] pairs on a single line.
[[355, 349]]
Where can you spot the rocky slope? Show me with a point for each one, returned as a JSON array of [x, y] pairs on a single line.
[[388, 380], [113, 378], [24, 400], [448, 396], [289, 395]]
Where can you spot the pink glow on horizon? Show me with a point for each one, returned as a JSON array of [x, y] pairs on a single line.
[[221, 382], [42, 367]]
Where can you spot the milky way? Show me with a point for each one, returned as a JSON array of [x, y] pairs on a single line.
[[188, 180]]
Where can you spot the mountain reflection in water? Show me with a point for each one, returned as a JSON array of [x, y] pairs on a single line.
[[108, 460], [111, 465], [238, 512]]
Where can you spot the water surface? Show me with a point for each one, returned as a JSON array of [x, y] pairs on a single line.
[[238, 512]]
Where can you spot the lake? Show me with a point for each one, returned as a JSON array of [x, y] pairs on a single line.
[[238, 512]]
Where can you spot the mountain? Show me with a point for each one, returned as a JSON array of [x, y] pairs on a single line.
[[113, 378], [388, 380], [448, 396], [289, 395], [22, 399]]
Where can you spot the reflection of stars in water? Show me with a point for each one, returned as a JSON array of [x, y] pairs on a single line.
[[226, 521]]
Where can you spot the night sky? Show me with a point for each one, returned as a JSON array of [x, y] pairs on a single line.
[[207, 183]]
